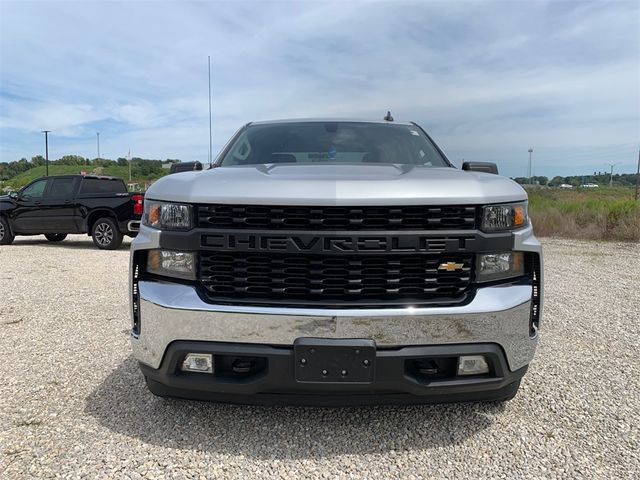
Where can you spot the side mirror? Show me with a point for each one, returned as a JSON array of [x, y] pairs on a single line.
[[13, 195], [485, 167], [185, 167]]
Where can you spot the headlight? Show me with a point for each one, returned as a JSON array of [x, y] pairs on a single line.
[[166, 216], [496, 218], [172, 263], [497, 266]]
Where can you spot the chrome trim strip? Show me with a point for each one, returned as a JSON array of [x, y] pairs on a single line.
[[185, 297], [133, 225]]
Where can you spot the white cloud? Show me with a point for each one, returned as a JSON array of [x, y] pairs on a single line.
[[486, 79]]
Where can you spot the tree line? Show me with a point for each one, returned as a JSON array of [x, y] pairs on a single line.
[[140, 167], [147, 168], [599, 178]]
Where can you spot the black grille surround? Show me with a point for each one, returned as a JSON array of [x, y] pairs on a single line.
[[336, 256], [333, 280], [312, 218]]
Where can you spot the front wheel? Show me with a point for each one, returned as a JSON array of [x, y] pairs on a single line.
[[106, 235], [6, 236], [55, 237]]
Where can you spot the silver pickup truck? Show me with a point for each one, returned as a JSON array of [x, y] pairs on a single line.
[[331, 262]]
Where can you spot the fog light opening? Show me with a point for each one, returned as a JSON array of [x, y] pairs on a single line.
[[472, 365], [198, 362]]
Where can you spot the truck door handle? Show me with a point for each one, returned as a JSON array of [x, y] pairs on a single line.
[[37, 203], [67, 201]]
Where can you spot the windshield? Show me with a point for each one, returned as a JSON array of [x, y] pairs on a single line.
[[332, 142]]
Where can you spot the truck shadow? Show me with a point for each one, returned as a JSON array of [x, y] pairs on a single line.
[[124, 405]]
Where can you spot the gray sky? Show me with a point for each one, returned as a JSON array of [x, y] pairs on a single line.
[[485, 79]]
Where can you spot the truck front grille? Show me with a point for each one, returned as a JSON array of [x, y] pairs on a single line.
[[345, 280], [291, 218]]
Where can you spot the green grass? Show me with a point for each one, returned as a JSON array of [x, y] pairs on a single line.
[[597, 214], [113, 170]]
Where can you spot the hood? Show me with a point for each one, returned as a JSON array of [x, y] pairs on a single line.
[[327, 184]]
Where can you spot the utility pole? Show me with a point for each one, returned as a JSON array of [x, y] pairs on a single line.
[[46, 149], [98, 140], [611, 175], [129, 158], [530, 152], [638, 176], [210, 137]]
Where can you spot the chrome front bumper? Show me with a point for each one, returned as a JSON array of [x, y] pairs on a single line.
[[170, 312]]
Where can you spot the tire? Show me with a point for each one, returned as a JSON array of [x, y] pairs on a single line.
[[6, 235], [55, 237], [105, 234]]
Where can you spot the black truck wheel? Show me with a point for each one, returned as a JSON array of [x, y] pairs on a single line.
[[6, 236], [55, 237], [106, 235]]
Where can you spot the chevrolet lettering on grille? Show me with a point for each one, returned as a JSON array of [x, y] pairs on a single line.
[[332, 244]]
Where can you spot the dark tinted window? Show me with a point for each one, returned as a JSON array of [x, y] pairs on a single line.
[[102, 185], [35, 190], [333, 142], [61, 187]]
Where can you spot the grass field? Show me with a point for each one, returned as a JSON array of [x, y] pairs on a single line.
[[37, 172], [596, 213]]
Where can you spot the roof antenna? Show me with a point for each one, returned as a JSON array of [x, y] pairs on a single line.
[[210, 144], [388, 117]]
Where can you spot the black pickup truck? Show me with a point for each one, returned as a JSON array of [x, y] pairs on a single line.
[[59, 205]]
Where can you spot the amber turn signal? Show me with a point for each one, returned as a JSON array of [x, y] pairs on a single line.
[[519, 216]]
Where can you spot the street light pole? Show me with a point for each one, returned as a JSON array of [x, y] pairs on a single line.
[[611, 175], [98, 140], [638, 176], [530, 152], [46, 149]]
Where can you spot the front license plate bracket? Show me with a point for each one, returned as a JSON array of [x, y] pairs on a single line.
[[319, 360]]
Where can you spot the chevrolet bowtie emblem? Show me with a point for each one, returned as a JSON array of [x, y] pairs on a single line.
[[450, 266]]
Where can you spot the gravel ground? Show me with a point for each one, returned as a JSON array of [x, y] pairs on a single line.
[[73, 403]]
